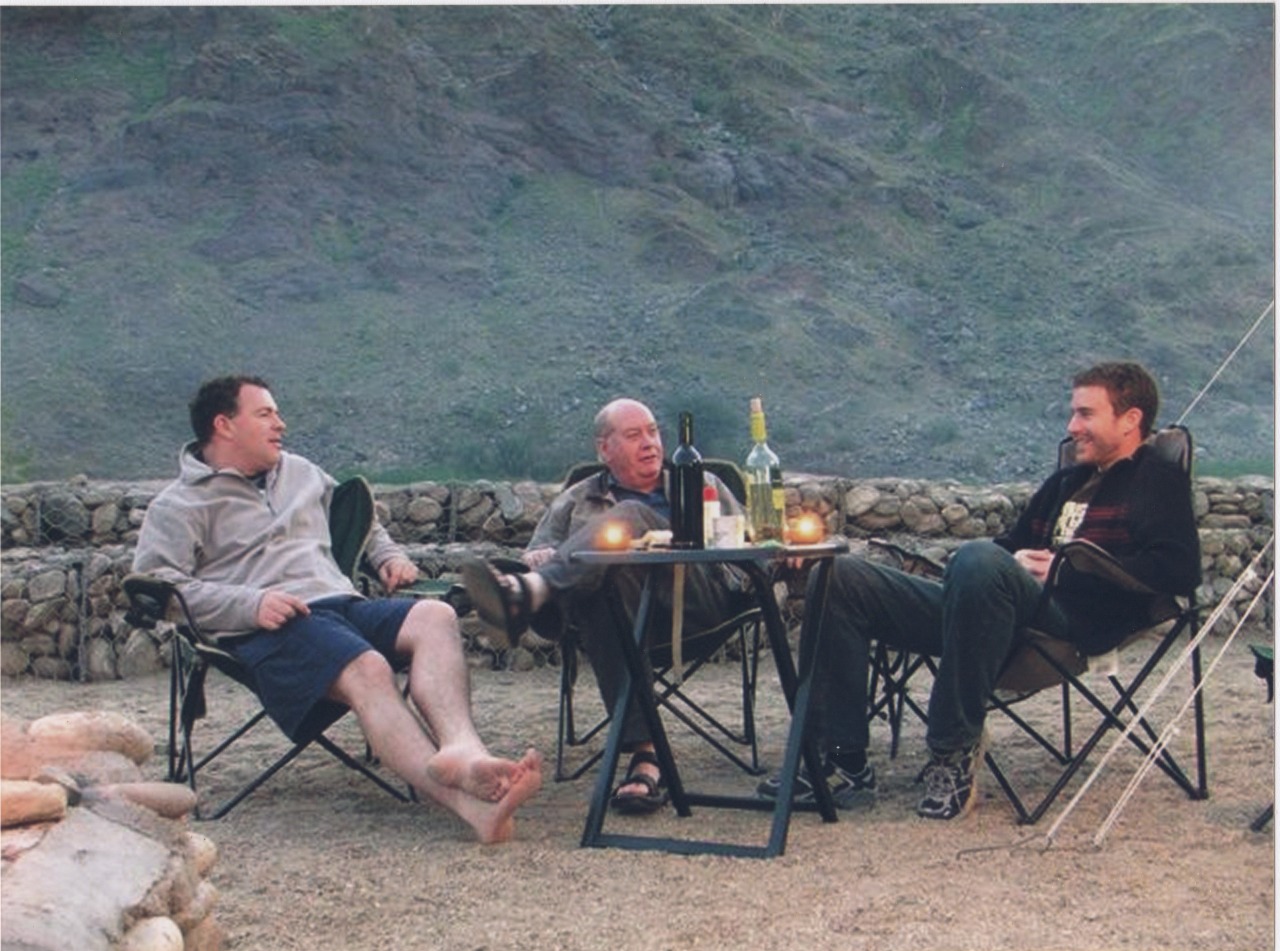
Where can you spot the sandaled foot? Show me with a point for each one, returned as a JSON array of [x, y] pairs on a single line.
[[654, 796], [501, 601]]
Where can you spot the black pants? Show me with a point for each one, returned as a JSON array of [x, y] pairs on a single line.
[[596, 600]]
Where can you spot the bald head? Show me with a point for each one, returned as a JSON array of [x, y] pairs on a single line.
[[629, 444], [605, 419]]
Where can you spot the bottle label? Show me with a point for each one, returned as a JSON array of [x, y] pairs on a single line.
[[763, 513]]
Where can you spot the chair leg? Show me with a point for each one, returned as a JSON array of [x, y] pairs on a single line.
[[186, 706], [893, 708], [1260, 823], [702, 722], [566, 728], [1198, 790], [352, 763], [1049, 746], [750, 673], [1066, 719], [1112, 719], [888, 690], [229, 804], [885, 701], [675, 701], [175, 753]]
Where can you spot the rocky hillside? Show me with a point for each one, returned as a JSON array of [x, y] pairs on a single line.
[[448, 234]]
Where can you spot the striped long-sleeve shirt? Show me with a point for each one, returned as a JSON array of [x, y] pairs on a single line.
[[1139, 512]]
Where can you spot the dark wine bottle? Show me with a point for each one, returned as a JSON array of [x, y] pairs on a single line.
[[686, 489]]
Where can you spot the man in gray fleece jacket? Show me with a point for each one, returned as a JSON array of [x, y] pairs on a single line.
[[244, 532]]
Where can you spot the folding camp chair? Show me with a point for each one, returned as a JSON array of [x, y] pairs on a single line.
[[742, 631], [152, 600], [1264, 667], [891, 668], [1039, 662]]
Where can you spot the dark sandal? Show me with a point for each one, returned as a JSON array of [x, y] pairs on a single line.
[[655, 796], [504, 610]]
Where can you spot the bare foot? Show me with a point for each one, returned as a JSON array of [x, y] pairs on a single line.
[[495, 822], [481, 775]]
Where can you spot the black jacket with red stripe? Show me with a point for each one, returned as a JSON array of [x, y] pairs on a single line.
[[1141, 514]]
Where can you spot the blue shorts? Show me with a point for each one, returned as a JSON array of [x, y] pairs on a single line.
[[292, 668]]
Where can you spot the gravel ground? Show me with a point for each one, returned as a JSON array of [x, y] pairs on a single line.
[[319, 859]]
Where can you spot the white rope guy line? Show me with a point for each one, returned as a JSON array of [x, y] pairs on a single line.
[[1158, 748], [1218, 611], [1205, 628], [1231, 356]]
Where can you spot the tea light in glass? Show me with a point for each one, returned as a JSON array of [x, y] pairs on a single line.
[[614, 535], [807, 529]]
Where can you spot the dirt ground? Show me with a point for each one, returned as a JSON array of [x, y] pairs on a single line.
[[320, 859]]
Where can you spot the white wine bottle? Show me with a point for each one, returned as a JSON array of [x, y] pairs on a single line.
[[766, 499]]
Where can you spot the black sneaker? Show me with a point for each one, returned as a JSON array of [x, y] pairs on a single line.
[[847, 789], [951, 784]]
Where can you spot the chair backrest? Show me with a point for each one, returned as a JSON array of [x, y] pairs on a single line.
[[728, 473], [579, 471], [350, 523], [723, 469], [1172, 443]]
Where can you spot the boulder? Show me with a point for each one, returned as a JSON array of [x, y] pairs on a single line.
[[170, 800], [113, 867], [92, 730], [153, 934], [23, 802]]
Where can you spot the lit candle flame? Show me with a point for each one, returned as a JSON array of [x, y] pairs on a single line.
[[615, 535], [807, 529]]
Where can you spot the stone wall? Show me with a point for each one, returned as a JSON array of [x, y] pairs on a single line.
[[65, 547]]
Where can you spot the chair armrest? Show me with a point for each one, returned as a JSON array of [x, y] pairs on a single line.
[[1086, 558], [149, 599], [913, 563], [153, 599]]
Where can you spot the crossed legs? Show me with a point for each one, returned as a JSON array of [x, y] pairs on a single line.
[[968, 621], [447, 763], [600, 600]]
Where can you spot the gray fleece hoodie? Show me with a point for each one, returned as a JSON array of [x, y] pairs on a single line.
[[224, 541]]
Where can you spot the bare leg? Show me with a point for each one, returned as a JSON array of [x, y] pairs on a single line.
[[440, 685], [460, 774]]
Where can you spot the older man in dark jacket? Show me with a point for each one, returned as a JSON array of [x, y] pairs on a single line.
[[631, 490]]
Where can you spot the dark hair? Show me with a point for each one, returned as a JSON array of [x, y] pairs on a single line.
[[1128, 385], [220, 397]]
